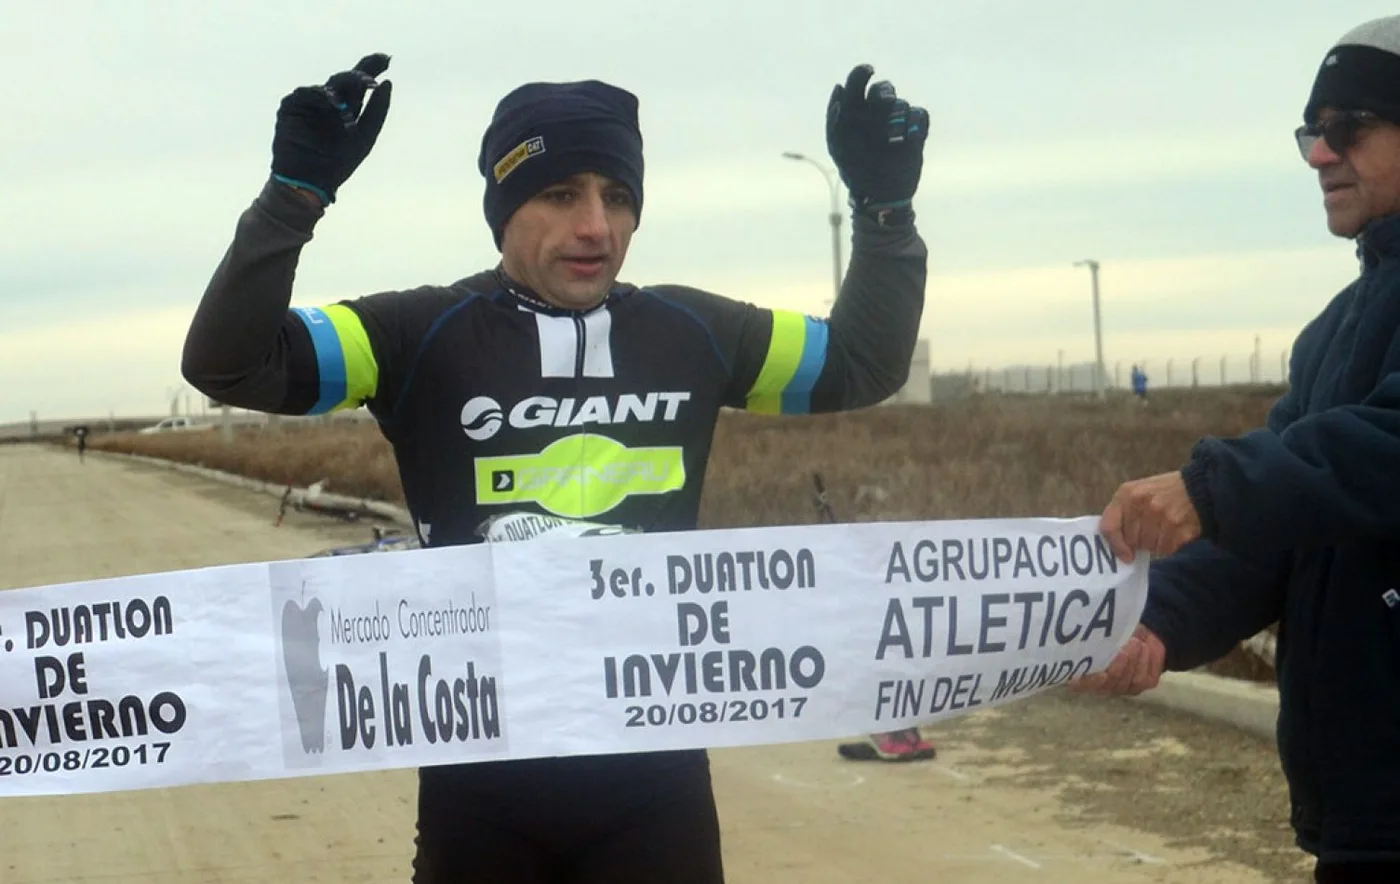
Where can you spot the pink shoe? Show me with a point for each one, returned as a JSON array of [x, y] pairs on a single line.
[[905, 745]]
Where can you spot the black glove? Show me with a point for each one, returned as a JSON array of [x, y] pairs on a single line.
[[877, 142], [321, 135]]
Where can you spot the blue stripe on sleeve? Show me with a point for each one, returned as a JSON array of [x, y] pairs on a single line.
[[797, 397], [330, 359]]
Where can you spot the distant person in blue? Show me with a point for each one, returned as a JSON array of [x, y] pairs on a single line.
[[1298, 522], [1139, 383]]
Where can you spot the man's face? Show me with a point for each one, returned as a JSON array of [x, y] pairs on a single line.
[[1361, 182], [568, 242]]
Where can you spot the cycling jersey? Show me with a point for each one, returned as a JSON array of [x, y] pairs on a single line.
[[509, 417], [493, 400]]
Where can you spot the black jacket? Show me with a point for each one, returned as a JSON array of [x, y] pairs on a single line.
[[1301, 525]]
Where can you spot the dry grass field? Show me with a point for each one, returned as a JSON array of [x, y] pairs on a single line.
[[987, 456]]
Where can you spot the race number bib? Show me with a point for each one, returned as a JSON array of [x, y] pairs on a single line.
[[527, 526]]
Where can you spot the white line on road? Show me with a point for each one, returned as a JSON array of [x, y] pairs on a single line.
[[856, 780], [1135, 854], [1011, 854]]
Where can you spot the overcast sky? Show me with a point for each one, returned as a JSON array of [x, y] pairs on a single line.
[[1153, 136]]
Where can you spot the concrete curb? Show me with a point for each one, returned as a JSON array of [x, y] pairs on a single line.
[[1249, 706], [388, 511]]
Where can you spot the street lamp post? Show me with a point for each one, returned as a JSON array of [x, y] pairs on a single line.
[[835, 216], [1098, 328], [173, 395]]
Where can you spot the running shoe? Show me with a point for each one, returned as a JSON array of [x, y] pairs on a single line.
[[905, 745]]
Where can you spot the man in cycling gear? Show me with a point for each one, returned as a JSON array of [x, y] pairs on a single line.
[[544, 386]]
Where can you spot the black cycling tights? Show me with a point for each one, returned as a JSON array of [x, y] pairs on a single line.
[[625, 819]]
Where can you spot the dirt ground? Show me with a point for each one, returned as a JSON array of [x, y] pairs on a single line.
[[1055, 788]]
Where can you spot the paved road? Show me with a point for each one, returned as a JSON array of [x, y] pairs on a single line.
[[1052, 789]]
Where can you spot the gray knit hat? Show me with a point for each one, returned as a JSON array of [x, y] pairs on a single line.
[[1361, 72]]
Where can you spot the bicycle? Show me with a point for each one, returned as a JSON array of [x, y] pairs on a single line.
[[385, 540], [309, 504]]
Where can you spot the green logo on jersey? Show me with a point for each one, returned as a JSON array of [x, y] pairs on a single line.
[[579, 476]]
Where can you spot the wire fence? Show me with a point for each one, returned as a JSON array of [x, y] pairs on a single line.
[[1223, 370]]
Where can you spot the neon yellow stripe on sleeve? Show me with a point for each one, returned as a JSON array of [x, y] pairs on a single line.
[[361, 370], [780, 364]]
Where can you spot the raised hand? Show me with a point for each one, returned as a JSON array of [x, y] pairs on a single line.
[[324, 132], [876, 140]]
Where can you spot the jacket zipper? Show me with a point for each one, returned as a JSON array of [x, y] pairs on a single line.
[[581, 333], [582, 337]]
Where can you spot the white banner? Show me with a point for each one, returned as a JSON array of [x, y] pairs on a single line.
[[560, 646]]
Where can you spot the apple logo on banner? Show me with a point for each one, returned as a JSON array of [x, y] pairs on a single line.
[[307, 679]]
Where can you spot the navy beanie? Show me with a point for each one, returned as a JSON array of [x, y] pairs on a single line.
[[543, 133], [1360, 72]]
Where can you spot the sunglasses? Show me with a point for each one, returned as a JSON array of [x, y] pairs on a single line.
[[1341, 132]]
